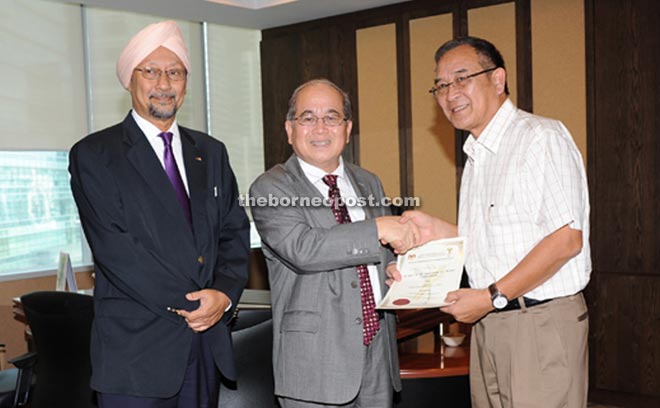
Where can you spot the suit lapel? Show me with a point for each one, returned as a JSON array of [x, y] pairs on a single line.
[[195, 161], [305, 188], [361, 189], [141, 155]]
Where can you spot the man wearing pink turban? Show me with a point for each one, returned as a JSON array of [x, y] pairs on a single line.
[[159, 206]]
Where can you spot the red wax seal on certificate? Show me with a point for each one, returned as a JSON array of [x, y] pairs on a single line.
[[401, 302]]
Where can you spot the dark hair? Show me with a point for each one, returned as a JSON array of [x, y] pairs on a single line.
[[489, 55], [291, 113]]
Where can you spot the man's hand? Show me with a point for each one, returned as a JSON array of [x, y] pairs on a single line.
[[468, 305], [393, 274], [400, 236], [430, 228], [212, 305]]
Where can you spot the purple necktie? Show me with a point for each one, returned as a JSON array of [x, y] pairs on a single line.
[[173, 174], [370, 323]]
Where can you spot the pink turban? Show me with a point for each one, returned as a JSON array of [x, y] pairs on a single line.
[[166, 34]]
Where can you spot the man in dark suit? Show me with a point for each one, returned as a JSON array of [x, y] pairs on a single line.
[[325, 262], [159, 206]]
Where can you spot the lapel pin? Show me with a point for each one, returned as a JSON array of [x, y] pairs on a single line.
[[199, 159]]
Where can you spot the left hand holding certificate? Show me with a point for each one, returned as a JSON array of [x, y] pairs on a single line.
[[428, 273]]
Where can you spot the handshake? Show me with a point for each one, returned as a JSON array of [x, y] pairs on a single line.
[[411, 229]]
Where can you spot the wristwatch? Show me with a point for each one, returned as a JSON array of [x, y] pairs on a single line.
[[499, 300]]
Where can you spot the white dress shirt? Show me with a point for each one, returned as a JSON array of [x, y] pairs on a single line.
[[158, 144], [523, 180], [315, 176]]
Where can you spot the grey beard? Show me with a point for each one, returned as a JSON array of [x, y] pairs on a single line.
[[161, 114]]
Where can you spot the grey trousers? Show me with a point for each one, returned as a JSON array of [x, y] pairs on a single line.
[[376, 389]]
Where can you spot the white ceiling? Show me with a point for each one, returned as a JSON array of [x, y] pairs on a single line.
[[256, 14]]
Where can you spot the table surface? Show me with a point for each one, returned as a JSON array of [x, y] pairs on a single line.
[[428, 357]]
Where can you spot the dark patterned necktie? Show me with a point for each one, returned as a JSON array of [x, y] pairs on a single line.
[[173, 174], [370, 323]]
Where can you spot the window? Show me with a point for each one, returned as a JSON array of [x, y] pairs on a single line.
[[235, 99], [43, 112], [63, 86], [38, 217]]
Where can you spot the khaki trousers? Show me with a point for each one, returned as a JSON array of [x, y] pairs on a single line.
[[532, 358]]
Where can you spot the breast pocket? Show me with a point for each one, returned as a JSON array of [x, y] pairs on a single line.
[[213, 206], [502, 215], [501, 220]]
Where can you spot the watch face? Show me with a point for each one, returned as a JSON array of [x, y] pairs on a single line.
[[500, 302]]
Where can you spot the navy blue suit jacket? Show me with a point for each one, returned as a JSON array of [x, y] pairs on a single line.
[[147, 257]]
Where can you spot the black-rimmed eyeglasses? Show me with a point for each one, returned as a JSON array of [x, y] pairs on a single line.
[[459, 82]]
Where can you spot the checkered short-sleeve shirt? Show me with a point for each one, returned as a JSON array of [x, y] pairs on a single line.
[[523, 180]]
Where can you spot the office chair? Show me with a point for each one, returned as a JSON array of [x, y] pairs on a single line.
[[252, 335], [61, 325], [15, 383]]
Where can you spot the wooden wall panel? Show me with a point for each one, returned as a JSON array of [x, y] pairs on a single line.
[[625, 322], [278, 81], [622, 48], [625, 149], [321, 51], [433, 141], [377, 95], [497, 24], [559, 72]]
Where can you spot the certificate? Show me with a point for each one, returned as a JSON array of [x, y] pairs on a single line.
[[428, 273]]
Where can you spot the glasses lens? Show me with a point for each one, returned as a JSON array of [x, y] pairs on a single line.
[[444, 88], [332, 120], [307, 120], [176, 74], [150, 73], [311, 120]]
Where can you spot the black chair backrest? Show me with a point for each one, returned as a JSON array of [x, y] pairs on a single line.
[[253, 347], [61, 324]]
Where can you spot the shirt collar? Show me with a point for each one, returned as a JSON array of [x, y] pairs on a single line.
[[315, 174], [491, 137], [150, 130]]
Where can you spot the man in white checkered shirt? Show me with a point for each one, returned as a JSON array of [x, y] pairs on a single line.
[[524, 208]]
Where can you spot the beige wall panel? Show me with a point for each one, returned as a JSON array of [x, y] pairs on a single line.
[[433, 141], [377, 95], [497, 24], [559, 70]]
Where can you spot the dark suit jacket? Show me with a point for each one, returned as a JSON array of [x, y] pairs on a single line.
[[318, 354], [147, 257]]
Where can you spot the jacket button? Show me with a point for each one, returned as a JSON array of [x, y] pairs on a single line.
[[354, 284], [200, 260], [358, 320]]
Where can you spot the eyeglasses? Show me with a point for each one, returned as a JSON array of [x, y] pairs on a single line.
[[174, 74], [311, 120], [460, 83]]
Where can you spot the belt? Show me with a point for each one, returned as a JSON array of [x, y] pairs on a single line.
[[515, 304]]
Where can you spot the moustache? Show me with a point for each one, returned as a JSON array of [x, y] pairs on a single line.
[[161, 95]]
